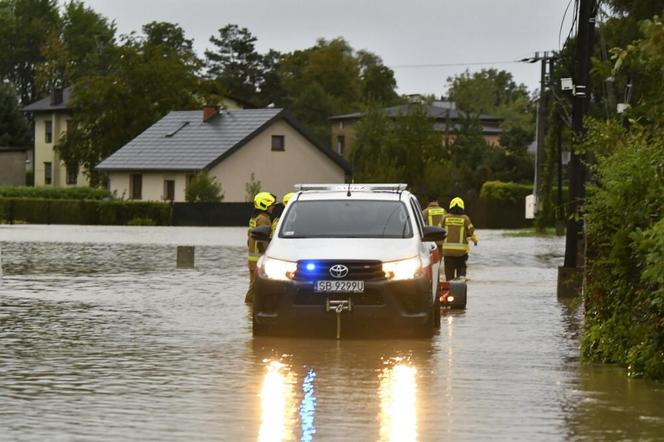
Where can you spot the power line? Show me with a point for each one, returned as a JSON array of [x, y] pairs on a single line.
[[562, 23], [443, 65]]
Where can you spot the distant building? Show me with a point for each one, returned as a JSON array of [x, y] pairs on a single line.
[[52, 117], [15, 162], [447, 121], [231, 145]]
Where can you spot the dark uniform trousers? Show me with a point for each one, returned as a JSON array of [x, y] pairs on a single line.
[[455, 266]]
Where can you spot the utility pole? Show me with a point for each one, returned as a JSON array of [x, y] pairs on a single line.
[[570, 276], [547, 61]]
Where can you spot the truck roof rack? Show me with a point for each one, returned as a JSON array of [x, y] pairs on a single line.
[[394, 187]]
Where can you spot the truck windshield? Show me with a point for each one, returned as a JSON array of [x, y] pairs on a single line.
[[346, 219]]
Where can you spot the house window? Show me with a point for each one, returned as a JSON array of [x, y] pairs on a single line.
[[341, 124], [136, 190], [341, 144], [169, 190], [48, 173], [48, 131], [278, 142], [72, 175]]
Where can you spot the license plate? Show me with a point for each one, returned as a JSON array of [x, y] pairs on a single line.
[[339, 287]]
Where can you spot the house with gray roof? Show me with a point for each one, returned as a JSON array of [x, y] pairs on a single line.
[[235, 146], [446, 117]]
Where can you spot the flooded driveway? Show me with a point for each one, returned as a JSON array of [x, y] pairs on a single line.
[[101, 338]]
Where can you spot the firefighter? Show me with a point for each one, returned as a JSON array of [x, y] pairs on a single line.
[[279, 210], [455, 247], [433, 216], [263, 205]]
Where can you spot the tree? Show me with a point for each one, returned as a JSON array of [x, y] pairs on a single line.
[[491, 91], [13, 125], [171, 37], [143, 84], [321, 81], [371, 161], [234, 61], [24, 28], [80, 46], [378, 82], [400, 150], [204, 189]]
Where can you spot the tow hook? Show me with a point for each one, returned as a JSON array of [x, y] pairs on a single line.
[[338, 306]]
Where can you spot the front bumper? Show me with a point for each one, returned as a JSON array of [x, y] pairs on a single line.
[[385, 307]]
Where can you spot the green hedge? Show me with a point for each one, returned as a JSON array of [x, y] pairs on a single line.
[[59, 193], [86, 212], [624, 294], [501, 191]]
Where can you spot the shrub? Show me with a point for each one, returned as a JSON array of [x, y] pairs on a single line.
[[93, 212], [508, 192], [252, 188], [141, 222], [624, 294], [204, 189], [72, 193]]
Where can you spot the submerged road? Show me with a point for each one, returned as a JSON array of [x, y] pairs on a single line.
[[101, 338]]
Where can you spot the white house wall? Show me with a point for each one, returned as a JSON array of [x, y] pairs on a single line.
[[44, 151], [278, 171], [153, 185]]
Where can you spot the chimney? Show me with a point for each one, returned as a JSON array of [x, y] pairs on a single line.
[[56, 96], [209, 111]]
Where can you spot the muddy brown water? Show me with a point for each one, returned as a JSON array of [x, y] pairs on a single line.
[[101, 338]]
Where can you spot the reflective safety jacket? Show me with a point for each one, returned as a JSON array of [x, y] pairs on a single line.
[[459, 229], [256, 248], [433, 215], [274, 226]]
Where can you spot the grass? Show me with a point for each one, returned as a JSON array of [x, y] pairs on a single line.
[[530, 232]]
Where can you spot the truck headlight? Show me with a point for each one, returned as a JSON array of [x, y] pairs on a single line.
[[403, 269], [276, 269]]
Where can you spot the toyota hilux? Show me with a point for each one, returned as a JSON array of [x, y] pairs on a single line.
[[349, 259]]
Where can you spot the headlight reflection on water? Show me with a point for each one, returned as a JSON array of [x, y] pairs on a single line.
[[398, 403], [277, 408], [308, 407]]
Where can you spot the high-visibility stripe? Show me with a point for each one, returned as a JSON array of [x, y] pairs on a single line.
[[455, 246], [253, 258], [453, 221], [435, 211], [431, 221]]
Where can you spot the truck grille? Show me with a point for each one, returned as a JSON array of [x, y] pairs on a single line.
[[357, 270]]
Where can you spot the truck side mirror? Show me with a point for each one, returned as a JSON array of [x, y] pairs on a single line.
[[261, 233], [433, 234]]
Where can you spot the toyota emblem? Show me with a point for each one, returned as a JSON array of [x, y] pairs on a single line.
[[339, 271]]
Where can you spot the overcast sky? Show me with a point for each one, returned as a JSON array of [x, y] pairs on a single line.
[[405, 32]]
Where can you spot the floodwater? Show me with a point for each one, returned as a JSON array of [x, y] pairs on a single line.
[[101, 338]]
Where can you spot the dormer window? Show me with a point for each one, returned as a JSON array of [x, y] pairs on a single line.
[[179, 128]]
